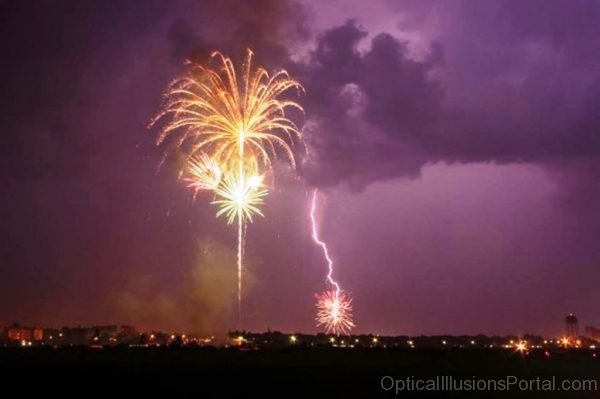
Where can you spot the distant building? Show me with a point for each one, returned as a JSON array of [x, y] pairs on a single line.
[[572, 325], [17, 332]]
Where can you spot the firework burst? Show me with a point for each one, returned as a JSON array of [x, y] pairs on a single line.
[[239, 198], [334, 312], [231, 126], [236, 122], [204, 173]]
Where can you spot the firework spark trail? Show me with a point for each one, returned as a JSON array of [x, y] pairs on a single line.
[[334, 307], [239, 199], [240, 255], [242, 234]]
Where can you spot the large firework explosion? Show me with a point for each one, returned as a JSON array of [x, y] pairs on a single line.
[[231, 125]]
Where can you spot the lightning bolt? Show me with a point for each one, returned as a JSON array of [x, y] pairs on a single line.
[[316, 239], [334, 307]]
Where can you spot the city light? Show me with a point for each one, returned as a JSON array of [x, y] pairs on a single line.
[[106, 336]]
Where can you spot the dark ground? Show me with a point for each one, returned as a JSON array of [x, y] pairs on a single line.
[[288, 372]]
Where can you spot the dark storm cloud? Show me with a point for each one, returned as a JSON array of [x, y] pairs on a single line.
[[504, 82], [368, 113], [268, 27]]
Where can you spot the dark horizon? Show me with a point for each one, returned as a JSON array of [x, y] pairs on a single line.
[[456, 145]]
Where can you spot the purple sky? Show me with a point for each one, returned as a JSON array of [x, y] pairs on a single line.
[[457, 144]]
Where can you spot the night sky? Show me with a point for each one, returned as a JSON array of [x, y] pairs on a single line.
[[457, 144]]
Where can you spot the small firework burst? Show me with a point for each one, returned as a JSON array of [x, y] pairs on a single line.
[[334, 312], [239, 197], [204, 173]]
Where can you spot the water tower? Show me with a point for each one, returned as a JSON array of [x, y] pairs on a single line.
[[571, 324]]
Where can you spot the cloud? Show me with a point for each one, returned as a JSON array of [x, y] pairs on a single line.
[[368, 113], [495, 86], [271, 28]]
